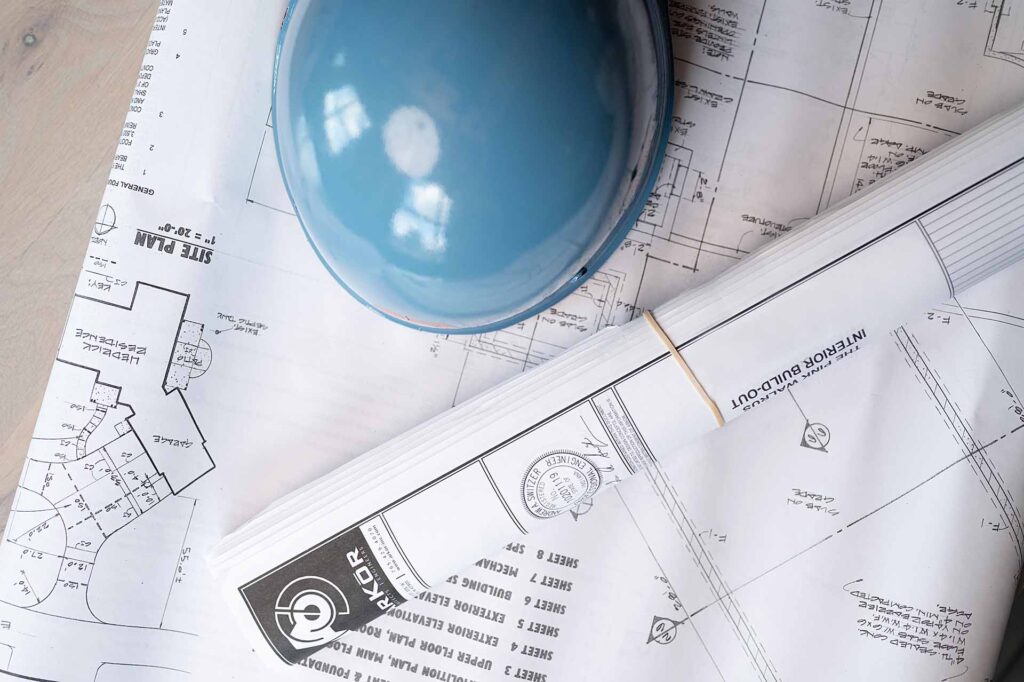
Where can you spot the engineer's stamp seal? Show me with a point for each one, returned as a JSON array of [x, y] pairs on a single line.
[[559, 481]]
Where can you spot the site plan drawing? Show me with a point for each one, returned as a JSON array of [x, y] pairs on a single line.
[[868, 525]]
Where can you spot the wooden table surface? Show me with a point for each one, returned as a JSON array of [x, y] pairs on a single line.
[[67, 71]]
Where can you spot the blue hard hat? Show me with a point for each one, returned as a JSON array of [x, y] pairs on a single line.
[[459, 166]]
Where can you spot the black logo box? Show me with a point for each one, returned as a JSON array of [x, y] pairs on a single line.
[[330, 561]]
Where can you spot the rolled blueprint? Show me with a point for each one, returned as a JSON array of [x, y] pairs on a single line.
[[374, 533]]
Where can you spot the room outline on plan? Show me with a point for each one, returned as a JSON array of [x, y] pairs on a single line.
[[116, 441]]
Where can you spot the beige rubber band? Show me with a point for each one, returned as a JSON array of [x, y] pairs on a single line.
[[717, 413]]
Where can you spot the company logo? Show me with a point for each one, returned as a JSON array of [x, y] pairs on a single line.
[[310, 612], [558, 481]]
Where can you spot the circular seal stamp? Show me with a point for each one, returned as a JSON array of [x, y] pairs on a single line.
[[559, 481]]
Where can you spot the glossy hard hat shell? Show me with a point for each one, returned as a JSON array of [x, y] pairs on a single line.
[[458, 165]]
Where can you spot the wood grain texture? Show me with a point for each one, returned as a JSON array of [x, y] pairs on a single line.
[[67, 71]]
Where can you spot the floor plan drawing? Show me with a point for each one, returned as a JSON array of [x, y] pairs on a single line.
[[117, 445], [187, 396], [1006, 36], [975, 451], [977, 454]]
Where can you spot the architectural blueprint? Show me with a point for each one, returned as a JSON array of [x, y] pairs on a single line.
[[209, 365], [406, 515]]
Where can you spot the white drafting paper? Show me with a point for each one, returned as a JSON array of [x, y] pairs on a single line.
[[210, 365], [408, 514]]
